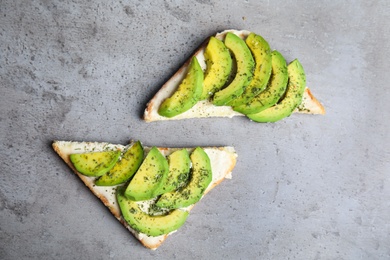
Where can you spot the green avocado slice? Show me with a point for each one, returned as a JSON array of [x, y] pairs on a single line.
[[262, 54], [125, 168], [274, 91], [151, 225], [200, 178], [293, 96], [94, 164], [245, 65], [179, 169], [147, 181], [218, 67], [187, 94]]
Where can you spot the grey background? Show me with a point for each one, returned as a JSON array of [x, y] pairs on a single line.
[[308, 187]]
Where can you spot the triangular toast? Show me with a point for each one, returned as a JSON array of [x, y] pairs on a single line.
[[222, 159], [204, 108]]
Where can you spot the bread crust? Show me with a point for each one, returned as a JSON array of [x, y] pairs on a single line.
[[204, 108], [223, 160], [310, 105]]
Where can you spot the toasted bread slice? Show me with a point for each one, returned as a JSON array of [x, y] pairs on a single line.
[[223, 160], [205, 108]]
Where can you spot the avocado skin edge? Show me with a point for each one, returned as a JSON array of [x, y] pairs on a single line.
[[274, 91], [179, 165], [219, 65], [147, 181], [108, 160], [199, 180], [245, 65], [187, 94], [261, 52], [125, 168], [291, 100], [148, 224]]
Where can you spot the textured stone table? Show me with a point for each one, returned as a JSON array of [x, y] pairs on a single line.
[[308, 187]]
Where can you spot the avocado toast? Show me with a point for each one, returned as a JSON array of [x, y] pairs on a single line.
[[149, 223], [239, 88]]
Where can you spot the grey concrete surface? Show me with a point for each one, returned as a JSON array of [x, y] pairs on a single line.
[[308, 187]]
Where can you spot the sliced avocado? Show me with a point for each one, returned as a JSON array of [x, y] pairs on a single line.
[[200, 178], [94, 164], [245, 66], [187, 94], [293, 96], [125, 168], [261, 52], [148, 179], [148, 224], [179, 169], [218, 67], [276, 87]]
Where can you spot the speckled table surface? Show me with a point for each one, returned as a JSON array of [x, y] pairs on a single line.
[[308, 187]]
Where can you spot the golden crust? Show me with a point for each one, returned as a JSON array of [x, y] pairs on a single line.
[[310, 104]]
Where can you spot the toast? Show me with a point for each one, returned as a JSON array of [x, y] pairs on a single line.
[[205, 108], [222, 160]]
